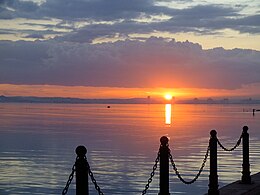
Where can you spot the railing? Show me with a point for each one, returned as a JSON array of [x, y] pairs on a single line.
[[82, 168]]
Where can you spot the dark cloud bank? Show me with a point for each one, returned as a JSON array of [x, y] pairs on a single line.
[[152, 63], [71, 59]]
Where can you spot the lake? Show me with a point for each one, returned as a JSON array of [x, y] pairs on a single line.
[[38, 141]]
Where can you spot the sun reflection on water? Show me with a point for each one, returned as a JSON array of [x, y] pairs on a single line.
[[168, 114]]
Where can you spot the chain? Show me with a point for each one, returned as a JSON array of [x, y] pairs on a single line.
[[152, 174], [197, 176], [94, 181], [65, 190], [231, 149]]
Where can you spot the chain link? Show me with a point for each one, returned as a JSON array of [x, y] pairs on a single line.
[[197, 176], [65, 190], [94, 181], [231, 149], [152, 174]]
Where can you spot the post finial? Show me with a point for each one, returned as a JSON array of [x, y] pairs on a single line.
[[164, 140], [81, 151], [245, 129], [213, 133]]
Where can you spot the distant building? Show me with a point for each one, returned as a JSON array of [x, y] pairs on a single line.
[[225, 101], [210, 100]]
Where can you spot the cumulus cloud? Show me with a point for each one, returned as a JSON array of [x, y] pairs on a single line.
[[152, 63]]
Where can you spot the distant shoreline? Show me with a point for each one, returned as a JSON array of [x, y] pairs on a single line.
[[64, 100]]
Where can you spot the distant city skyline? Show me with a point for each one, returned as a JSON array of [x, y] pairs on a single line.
[[130, 48]]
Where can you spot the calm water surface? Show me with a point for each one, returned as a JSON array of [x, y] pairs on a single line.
[[37, 143]]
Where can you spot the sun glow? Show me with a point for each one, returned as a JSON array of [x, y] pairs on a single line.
[[168, 96]]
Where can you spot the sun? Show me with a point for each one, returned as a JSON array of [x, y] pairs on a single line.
[[168, 96]]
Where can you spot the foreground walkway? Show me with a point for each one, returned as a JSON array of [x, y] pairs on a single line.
[[237, 188]]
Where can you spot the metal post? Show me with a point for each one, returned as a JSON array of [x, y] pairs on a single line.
[[81, 171], [246, 178], [213, 177], [164, 166]]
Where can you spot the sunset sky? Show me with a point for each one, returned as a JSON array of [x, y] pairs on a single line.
[[130, 48]]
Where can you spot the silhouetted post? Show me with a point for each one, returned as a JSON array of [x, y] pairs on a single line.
[[81, 171], [246, 178], [213, 176], [164, 166]]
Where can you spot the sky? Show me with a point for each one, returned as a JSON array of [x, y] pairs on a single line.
[[130, 48]]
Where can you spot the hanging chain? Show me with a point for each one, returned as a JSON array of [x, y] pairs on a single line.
[[94, 181], [152, 174], [65, 190], [197, 176], [231, 149]]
